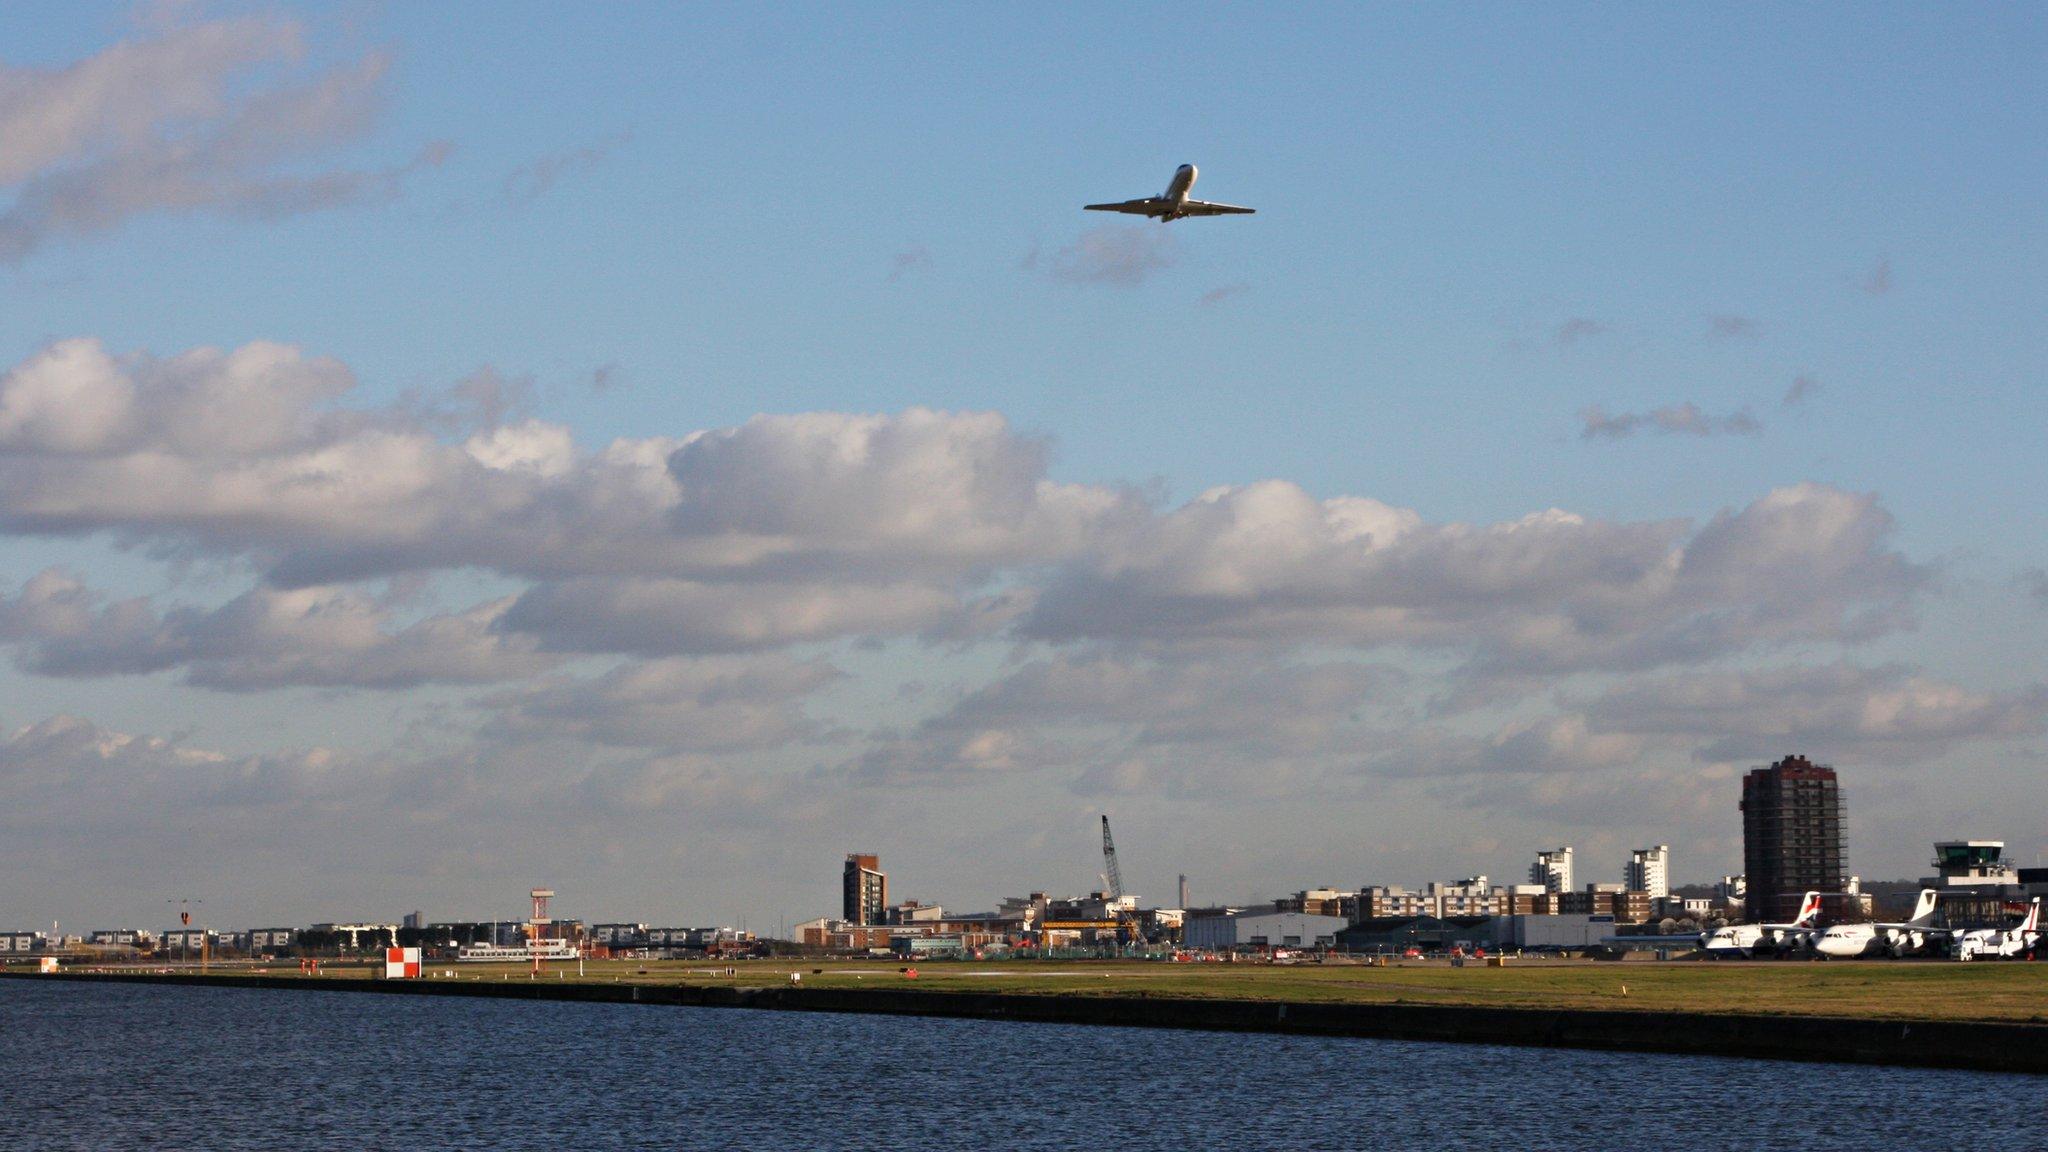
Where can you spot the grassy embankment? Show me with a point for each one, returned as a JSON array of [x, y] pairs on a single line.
[[1929, 990]]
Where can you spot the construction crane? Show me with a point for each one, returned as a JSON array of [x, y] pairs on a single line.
[[1110, 875], [1129, 930]]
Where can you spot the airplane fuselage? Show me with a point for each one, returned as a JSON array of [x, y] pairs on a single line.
[[1177, 192], [1847, 941]]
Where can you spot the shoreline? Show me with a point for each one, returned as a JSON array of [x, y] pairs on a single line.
[[1990, 1046]]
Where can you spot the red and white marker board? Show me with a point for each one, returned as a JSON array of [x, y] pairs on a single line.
[[401, 963]]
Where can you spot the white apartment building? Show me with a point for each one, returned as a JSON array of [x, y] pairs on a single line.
[[1553, 869], [1649, 870], [23, 942]]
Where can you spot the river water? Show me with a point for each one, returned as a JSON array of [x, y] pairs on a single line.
[[107, 1066]]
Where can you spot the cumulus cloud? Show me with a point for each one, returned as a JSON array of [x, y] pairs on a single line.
[[241, 453], [188, 119], [1115, 723], [1115, 254], [737, 544], [68, 772], [722, 703], [653, 616], [264, 638], [1549, 592], [1886, 716], [1678, 419]]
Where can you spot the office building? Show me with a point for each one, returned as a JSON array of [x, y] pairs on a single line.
[[1649, 870], [1792, 840], [864, 890]]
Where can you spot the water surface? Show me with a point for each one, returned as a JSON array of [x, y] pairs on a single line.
[[103, 1066]]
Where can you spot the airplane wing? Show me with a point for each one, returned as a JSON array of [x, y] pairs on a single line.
[[1150, 206], [1209, 208]]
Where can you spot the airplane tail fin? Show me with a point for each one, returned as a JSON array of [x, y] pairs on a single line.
[[1809, 910], [1923, 908], [2033, 921]]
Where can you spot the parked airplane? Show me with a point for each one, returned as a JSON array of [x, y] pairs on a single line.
[[1903, 939], [1175, 203], [2001, 942], [1744, 939]]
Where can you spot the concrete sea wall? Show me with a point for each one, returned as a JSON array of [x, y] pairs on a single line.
[[1984, 1046]]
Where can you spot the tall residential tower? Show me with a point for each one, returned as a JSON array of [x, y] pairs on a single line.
[[1792, 838], [864, 890], [1553, 869], [1649, 870]]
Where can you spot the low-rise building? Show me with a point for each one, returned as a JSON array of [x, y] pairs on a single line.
[[23, 943], [1561, 931], [1397, 934], [1262, 929], [935, 945], [141, 938], [1386, 900], [1320, 902], [356, 937], [188, 940], [619, 935]]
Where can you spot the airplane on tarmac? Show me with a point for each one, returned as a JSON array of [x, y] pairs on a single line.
[[1174, 204], [1743, 939], [2019, 940], [1903, 939]]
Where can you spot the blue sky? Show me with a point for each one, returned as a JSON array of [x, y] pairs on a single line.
[[1476, 227]]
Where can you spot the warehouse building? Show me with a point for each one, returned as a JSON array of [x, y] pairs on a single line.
[[1263, 929]]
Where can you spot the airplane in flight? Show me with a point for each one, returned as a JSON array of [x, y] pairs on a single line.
[[1744, 939], [1174, 204], [2000, 942], [1903, 939]]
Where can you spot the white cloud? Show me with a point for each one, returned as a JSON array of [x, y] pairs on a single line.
[[1889, 715], [1551, 592], [263, 639], [718, 703], [187, 119], [668, 617]]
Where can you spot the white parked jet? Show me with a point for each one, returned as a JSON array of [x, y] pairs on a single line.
[[1903, 939], [2002, 942], [1743, 939], [1175, 203]]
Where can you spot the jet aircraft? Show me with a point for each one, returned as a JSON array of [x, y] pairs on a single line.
[[1174, 203], [2000, 942], [1744, 939], [1903, 939]]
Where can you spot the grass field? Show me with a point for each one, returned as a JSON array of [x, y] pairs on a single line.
[[1931, 990]]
